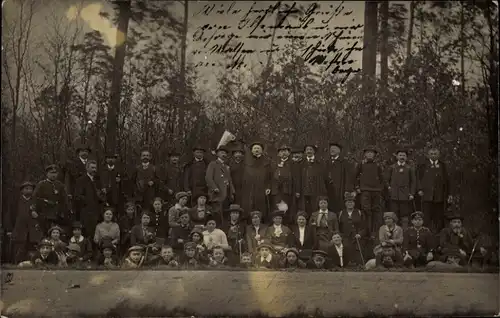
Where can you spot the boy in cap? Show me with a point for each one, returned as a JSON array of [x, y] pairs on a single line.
[[218, 258], [256, 186], [177, 209], [51, 200], [195, 172], [402, 183], [311, 183], [189, 259], [339, 177], [45, 256], [167, 258], [146, 181], [73, 257], [135, 257], [236, 167], [418, 245], [319, 261], [282, 182], [27, 230], [369, 183], [180, 235], [219, 182], [278, 235], [266, 259], [113, 182], [389, 257], [84, 243], [107, 257]]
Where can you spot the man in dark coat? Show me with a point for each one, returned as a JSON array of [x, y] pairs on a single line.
[[27, 231], [297, 159], [282, 182], [146, 181], [89, 198], [256, 183], [433, 189], [76, 168], [171, 178], [339, 178], [402, 183], [194, 174], [237, 167], [113, 181], [51, 200], [220, 185], [311, 183], [369, 183]]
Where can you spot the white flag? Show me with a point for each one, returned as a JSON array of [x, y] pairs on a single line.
[[226, 138]]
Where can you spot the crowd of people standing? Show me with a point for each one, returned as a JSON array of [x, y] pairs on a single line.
[[237, 210]]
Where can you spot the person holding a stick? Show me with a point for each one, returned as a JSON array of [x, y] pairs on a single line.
[[353, 226]]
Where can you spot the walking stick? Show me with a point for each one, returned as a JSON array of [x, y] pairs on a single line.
[[268, 205], [360, 252], [473, 250]]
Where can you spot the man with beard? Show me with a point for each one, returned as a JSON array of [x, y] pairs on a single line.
[[113, 181], [339, 178], [282, 182], [76, 168], [51, 200], [237, 167], [312, 181], [146, 181], [369, 180], [433, 189], [172, 178], [256, 183], [89, 198], [194, 174], [457, 238], [220, 185]]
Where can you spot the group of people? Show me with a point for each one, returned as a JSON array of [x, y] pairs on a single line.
[[297, 212]]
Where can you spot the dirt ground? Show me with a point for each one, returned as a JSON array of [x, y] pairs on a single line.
[[48, 293]]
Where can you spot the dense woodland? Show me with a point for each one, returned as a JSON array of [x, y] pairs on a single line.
[[127, 98]]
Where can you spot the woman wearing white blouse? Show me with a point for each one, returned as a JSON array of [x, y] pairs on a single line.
[[213, 236]]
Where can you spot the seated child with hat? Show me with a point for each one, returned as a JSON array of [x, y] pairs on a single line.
[[45, 255], [107, 258], [218, 258], [135, 257], [266, 258], [319, 261], [167, 258], [291, 260], [86, 252], [189, 259]]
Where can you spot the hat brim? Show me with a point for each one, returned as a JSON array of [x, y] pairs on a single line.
[[239, 210], [370, 149], [262, 245], [27, 184]]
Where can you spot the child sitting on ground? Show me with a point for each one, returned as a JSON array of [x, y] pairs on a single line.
[[135, 257], [246, 260], [266, 259], [218, 258], [45, 255], [319, 261], [168, 258], [189, 259], [107, 257], [291, 260]]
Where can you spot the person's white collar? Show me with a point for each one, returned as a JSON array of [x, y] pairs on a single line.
[[268, 258]]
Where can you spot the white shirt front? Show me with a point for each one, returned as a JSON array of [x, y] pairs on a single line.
[[341, 256], [268, 258], [277, 230], [302, 231]]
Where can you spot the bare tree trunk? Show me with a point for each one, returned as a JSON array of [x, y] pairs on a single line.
[[462, 48], [124, 14], [369, 61], [410, 31], [182, 103], [384, 49]]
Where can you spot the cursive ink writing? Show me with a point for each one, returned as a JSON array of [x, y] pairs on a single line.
[[329, 35]]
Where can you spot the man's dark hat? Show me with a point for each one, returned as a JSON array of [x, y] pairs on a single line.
[[370, 148], [257, 143], [235, 208], [199, 147], [51, 168], [298, 149], [26, 184], [111, 154], [82, 146], [455, 216], [238, 150], [319, 252], [285, 147], [401, 149], [417, 214], [335, 143], [174, 153], [77, 225], [197, 196], [277, 213], [222, 148], [311, 145]]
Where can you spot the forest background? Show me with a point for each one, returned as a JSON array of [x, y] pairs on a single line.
[[126, 90]]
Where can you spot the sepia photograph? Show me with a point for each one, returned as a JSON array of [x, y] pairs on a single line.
[[182, 158]]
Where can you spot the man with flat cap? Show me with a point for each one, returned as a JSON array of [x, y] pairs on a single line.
[[195, 172], [171, 177], [51, 200], [339, 178], [282, 182], [114, 181], [256, 182], [220, 185]]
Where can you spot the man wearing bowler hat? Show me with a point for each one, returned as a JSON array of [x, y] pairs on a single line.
[[311, 183], [75, 168], [237, 166], [171, 177], [195, 172], [282, 182], [220, 185], [339, 178], [113, 182]]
